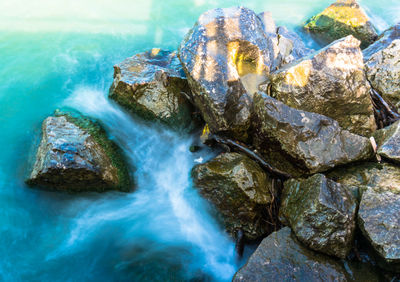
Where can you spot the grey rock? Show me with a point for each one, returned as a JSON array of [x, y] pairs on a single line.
[[388, 141], [226, 55], [382, 65], [239, 189], [153, 86], [321, 213], [300, 142], [76, 155], [280, 257], [331, 82]]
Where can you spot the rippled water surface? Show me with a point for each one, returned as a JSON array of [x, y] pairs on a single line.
[[56, 53]]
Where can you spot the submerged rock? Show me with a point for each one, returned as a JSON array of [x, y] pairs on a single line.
[[75, 154], [240, 190], [388, 141], [342, 18], [300, 142], [226, 55], [382, 64], [321, 213], [280, 257], [379, 221], [332, 83], [153, 85]]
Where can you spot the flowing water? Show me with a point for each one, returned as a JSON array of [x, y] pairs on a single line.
[[56, 53]]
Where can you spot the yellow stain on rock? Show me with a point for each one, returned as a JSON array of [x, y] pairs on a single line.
[[299, 74], [347, 12]]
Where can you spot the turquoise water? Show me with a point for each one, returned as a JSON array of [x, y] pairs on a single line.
[[61, 53]]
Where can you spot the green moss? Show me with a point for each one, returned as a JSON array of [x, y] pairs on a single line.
[[94, 128]]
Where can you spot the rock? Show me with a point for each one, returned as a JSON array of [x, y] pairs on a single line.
[[226, 55], [382, 65], [367, 175], [388, 141], [321, 213], [240, 190], [280, 257], [75, 154], [302, 143], [332, 83], [342, 18], [153, 85], [268, 22], [291, 47], [379, 186], [379, 221]]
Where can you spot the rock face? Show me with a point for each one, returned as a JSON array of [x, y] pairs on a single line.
[[280, 257], [240, 190], [342, 18], [226, 55], [379, 221], [382, 64], [300, 142], [332, 83], [388, 141], [321, 213], [153, 85], [76, 155]]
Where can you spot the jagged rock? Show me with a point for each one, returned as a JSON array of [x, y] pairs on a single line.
[[342, 18], [291, 47], [379, 186], [321, 213], [226, 55], [280, 257], [300, 142], [153, 85], [382, 65], [388, 141], [379, 220], [240, 190], [332, 83], [288, 45], [75, 154]]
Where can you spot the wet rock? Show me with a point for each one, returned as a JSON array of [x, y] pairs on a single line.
[[379, 221], [321, 213], [300, 142], [268, 23], [388, 141], [280, 257], [382, 65], [291, 46], [75, 154], [226, 55], [153, 86], [342, 18], [331, 82], [240, 190]]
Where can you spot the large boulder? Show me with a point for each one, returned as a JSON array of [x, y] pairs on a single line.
[[332, 82], [226, 55], [342, 18], [280, 257], [321, 213], [388, 141], [379, 221], [239, 189], [382, 65], [75, 154], [153, 86], [300, 142]]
